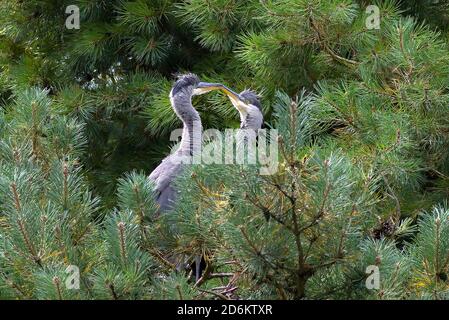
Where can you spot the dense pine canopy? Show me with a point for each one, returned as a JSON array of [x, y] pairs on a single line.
[[363, 175]]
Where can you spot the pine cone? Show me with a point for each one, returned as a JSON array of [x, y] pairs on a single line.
[[385, 230]]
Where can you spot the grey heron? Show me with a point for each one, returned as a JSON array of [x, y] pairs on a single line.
[[171, 167], [249, 107]]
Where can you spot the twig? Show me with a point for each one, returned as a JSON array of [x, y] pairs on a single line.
[[178, 288], [221, 275], [230, 290], [16, 196], [28, 243], [121, 228], [217, 294], [259, 253], [57, 284], [112, 289], [328, 49], [155, 253], [205, 275], [13, 285]]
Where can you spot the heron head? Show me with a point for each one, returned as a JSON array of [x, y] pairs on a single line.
[[190, 84], [251, 99], [248, 105]]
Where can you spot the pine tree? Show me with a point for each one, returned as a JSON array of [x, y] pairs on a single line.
[[363, 175]]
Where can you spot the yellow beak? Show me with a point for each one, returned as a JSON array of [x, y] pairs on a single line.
[[204, 87], [236, 100]]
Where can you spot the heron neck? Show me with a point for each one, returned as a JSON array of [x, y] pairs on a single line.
[[192, 128], [250, 123]]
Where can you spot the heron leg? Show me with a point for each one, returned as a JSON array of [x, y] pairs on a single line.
[[198, 267]]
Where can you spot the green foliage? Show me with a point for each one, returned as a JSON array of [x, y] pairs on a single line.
[[47, 210], [363, 172], [135, 192], [429, 254], [125, 269]]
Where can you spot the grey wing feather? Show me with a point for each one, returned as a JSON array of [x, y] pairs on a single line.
[[163, 177], [166, 198]]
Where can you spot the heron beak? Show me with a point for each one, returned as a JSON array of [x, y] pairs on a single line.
[[230, 93], [205, 87], [238, 103]]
